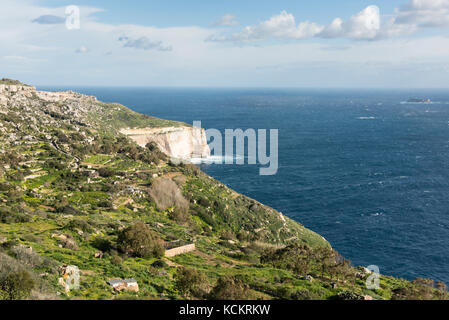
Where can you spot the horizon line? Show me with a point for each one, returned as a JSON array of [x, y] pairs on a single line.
[[238, 87]]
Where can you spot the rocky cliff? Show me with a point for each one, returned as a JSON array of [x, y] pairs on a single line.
[[177, 142]]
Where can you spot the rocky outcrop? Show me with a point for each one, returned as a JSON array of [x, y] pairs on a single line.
[[22, 92], [177, 142], [7, 91]]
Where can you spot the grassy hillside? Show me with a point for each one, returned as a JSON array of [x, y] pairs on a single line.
[[73, 191]]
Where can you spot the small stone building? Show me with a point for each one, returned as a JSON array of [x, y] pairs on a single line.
[[127, 284]]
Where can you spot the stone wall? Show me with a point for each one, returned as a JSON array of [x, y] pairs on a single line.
[[180, 250]]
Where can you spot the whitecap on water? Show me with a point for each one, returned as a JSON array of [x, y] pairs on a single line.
[[214, 159]]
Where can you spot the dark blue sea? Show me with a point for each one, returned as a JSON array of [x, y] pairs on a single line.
[[369, 173]]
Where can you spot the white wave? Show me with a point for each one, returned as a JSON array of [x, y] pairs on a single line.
[[366, 118], [214, 159]]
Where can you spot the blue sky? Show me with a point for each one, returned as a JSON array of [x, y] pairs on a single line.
[[321, 43], [202, 12]]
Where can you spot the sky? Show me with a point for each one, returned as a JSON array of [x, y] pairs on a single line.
[[178, 43]]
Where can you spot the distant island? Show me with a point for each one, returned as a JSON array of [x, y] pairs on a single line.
[[416, 100]]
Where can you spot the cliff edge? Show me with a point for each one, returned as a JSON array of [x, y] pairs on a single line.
[[177, 142]]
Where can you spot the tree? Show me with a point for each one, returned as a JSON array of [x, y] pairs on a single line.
[[191, 281], [140, 241]]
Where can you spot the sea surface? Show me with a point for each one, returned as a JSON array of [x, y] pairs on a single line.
[[361, 167]]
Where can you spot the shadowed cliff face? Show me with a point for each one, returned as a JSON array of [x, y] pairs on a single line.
[[176, 142]]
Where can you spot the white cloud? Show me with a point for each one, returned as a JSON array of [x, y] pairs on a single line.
[[228, 20], [49, 19], [363, 25], [281, 26], [424, 13], [144, 43]]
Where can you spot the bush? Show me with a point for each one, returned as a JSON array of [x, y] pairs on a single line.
[[166, 194], [116, 260], [106, 172], [159, 264], [78, 224], [227, 235], [180, 216], [348, 295], [13, 215], [5, 187], [26, 256], [69, 210], [230, 288], [191, 281], [140, 241], [16, 286], [295, 257], [418, 289], [53, 164], [102, 244]]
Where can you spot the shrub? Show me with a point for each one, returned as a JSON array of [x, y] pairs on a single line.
[[69, 210], [116, 260], [228, 235], [16, 286], [78, 224], [348, 295], [106, 172], [140, 241], [13, 215], [294, 257], [69, 243], [204, 202], [230, 288], [53, 164], [191, 281], [418, 289], [166, 193], [180, 216], [5, 187], [26, 256], [159, 264], [102, 244]]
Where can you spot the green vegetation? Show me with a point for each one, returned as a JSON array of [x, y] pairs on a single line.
[[16, 286], [74, 191], [11, 82], [138, 240]]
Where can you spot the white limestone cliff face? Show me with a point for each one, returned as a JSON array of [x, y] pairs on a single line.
[[177, 142]]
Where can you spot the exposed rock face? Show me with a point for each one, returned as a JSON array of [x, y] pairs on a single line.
[[20, 93], [7, 91], [177, 142]]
